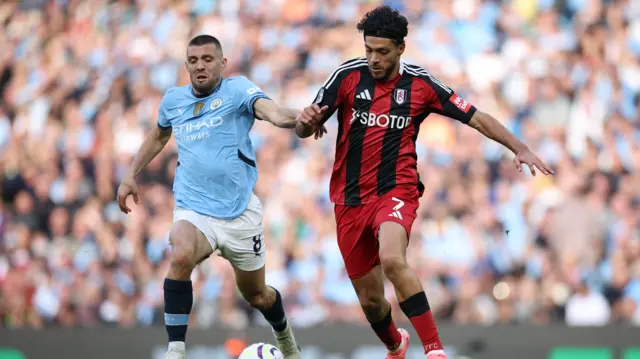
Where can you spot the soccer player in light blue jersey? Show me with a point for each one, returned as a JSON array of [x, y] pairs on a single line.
[[215, 207]]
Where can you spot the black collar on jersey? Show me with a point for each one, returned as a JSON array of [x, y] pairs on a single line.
[[210, 92], [384, 34]]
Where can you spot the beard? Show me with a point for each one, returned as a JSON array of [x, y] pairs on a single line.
[[203, 87], [385, 75]]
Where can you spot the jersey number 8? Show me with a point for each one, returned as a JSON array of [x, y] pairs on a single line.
[[257, 243]]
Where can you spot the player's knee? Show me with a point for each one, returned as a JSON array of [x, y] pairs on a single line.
[[184, 247], [393, 266], [182, 259]]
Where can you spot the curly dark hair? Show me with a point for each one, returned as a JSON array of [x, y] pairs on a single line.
[[385, 22]]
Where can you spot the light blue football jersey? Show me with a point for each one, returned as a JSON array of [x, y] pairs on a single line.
[[216, 171]]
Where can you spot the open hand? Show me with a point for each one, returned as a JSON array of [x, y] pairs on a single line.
[[532, 161]]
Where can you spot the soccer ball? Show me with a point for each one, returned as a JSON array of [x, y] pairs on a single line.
[[261, 351]]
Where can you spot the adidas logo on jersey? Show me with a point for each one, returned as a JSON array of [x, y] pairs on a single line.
[[396, 214], [364, 95], [396, 209]]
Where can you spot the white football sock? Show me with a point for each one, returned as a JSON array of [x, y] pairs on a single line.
[[177, 345]]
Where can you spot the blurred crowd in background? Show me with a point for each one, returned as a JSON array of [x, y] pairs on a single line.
[[81, 81]]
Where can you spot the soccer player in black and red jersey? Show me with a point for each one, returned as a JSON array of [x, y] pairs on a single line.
[[375, 186]]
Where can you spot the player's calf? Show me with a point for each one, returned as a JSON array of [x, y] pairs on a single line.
[[413, 301], [188, 248], [370, 291], [417, 309], [269, 302], [374, 307]]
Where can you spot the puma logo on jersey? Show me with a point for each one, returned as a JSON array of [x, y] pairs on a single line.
[[396, 209]]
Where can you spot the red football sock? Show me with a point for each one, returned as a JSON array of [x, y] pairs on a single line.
[[417, 309], [387, 331]]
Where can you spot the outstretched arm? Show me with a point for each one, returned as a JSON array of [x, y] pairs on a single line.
[[151, 147], [441, 99], [280, 116], [491, 128]]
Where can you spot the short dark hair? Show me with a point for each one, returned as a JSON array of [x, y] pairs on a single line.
[[385, 22], [204, 40]]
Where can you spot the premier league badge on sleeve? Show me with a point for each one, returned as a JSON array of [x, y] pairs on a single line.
[[320, 96]]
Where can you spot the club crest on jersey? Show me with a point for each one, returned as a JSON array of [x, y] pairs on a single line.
[[216, 103], [400, 95], [197, 108]]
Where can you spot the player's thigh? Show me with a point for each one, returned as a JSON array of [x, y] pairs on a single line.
[[242, 240], [191, 239], [356, 240], [395, 214], [247, 257], [251, 284]]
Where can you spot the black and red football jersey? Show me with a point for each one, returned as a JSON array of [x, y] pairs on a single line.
[[378, 126]]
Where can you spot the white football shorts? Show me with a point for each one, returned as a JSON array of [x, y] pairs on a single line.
[[240, 240]]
